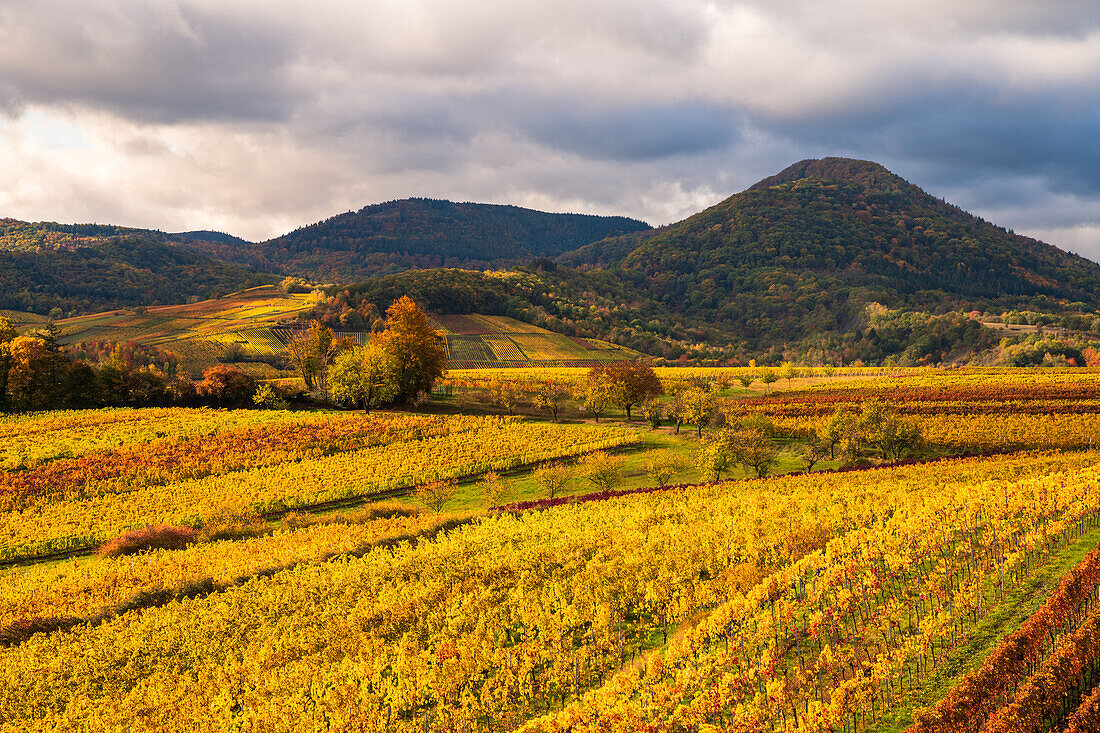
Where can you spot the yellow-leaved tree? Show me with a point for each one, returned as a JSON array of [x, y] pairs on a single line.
[[417, 355]]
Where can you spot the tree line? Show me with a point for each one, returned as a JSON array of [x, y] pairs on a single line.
[[37, 373]]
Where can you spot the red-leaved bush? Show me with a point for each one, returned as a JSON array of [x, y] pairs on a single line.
[[160, 537]]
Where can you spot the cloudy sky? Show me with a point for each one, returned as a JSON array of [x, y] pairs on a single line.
[[258, 116]]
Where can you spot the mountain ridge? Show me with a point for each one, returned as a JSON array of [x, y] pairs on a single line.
[[797, 260], [416, 233]]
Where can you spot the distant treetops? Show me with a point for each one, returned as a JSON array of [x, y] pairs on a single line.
[[37, 374]]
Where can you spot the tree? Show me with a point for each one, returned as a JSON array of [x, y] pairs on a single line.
[[815, 451], [603, 470], [630, 382], [662, 468], [716, 455], [311, 351], [435, 494], [552, 477], [551, 396], [767, 377], [832, 432], [182, 391], [750, 447], [226, 386], [788, 372], [505, 393], [494, 491], [746, 379], [699, 406], [7, 333], [268, 397], [361, 375], [81, 387], [653, 411], [881, 427], [753, 449], [595, 394], [416, 351], [676, 411], [36, 371], [294, 285], [895, 436]]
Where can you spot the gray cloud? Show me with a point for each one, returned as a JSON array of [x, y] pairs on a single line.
[[153, 61], [257, 117], [630, 133]]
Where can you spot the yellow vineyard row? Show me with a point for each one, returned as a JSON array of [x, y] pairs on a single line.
[[513, 616], [498, 445]]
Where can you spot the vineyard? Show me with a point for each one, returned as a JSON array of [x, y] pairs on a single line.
[[75, 503], [321, 587], [496, 342], [199, 334], [255, 325]]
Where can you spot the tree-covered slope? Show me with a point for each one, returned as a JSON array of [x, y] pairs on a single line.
[[205, 235], [422, 233], [804, 251], [82, 268]]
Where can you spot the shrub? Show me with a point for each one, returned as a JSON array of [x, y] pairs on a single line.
[[434, 494], [226, 386], [160, 537], [603, 470], [268, 397]]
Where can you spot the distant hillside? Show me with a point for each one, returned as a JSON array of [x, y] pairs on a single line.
[[803, 251], [601, 304], [83, 267], [251, 328], [421, 233], [22, 236], [212, 237], [833, 260]]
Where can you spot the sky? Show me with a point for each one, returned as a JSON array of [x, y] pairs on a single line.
[[256, 117]]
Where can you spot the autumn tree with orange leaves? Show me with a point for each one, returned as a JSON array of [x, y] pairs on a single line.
[[415, 349]]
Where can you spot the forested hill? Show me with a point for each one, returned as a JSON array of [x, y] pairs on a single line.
[[79, 268], [806, 249], [421, 233], [209, 236]]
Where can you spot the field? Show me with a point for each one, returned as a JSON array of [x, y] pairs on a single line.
[[254, 326], [192, 467], [323, 588], [497, 342], [199, 334]]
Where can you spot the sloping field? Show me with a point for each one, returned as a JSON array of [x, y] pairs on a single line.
[[107, 472], [256, 325], [20, 319], [492, 342], [248, 309], [199, 334]]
